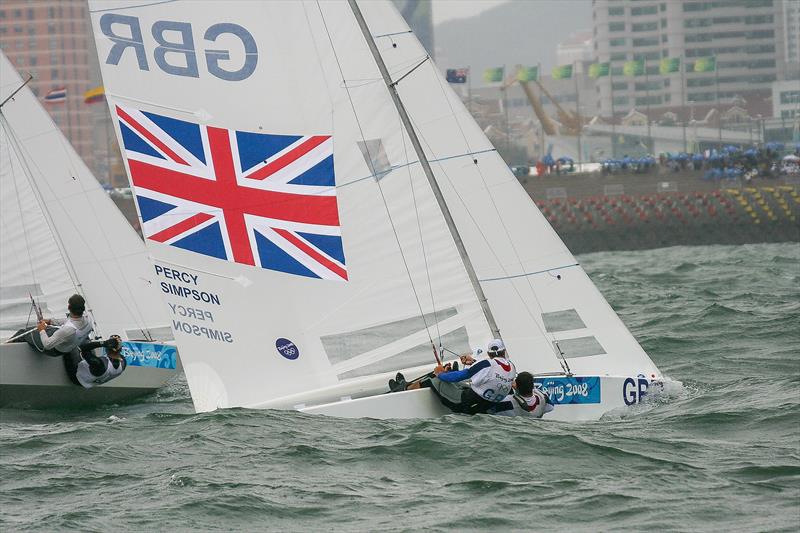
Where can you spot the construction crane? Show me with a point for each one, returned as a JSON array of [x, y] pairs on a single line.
[[570, 121], [547, 124]]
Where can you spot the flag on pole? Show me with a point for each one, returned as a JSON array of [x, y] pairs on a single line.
[[457, 75], [633, 68], [527, 73], [706, 64], [562, 72], [494, 74], [56, 96], [598, 70], [94, 95], [669, 64]]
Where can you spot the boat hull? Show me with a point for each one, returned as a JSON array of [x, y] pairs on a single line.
[[29, 379], [576, 398]]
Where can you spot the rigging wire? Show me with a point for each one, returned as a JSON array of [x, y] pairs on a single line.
[[422, 242], [377, 181], [500, 217], [560, 360]]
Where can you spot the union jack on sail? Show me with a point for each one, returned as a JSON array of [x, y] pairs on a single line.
[[251, 198]]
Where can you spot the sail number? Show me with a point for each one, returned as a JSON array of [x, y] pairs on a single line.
[[633, 390], [175, 51]]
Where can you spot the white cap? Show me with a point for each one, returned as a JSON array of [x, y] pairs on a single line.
[[496, 346]]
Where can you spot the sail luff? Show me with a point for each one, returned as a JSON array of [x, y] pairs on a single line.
[[390, 85], [37, 194]]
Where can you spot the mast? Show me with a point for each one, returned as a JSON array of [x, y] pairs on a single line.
[[426, 167]]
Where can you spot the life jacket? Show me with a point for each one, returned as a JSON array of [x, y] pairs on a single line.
[[535, 406], [81, 332], [494, 382], [89, 380]]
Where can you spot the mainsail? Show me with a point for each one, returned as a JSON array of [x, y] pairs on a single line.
[[296, 239], [61, 233]]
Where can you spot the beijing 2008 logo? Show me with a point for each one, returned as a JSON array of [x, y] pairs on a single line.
[[287, 349]]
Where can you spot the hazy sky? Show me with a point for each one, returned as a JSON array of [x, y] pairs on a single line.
[[444, 10]]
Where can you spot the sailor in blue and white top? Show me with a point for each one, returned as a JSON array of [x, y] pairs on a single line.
[[478, 388]]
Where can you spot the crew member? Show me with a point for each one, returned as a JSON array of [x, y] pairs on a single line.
[[88, 370], [71, 333], [525, 400], [490, 382]]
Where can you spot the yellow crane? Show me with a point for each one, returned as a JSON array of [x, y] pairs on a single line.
[[571, 122]]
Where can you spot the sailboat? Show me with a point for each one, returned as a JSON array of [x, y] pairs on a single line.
[[61, 234], [322, 211]]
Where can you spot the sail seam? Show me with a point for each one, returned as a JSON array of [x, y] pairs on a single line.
[[415, 162], [526, 274], [392, 34]]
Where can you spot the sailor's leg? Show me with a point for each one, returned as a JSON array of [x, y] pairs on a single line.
[[71, 361], [18, 336], [35, 341], [448, 393], [474, 404]]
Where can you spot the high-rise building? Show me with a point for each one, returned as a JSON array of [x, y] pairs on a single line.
[[791, 31], [746, 38], [51, 40], [576, 50]]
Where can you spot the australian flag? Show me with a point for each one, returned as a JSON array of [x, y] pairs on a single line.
[[251, 198], [457, 75]]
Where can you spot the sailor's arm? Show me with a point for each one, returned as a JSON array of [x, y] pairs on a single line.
[[461, 375], [48, 341]]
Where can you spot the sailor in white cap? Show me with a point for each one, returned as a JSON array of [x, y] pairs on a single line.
[[478, 388]]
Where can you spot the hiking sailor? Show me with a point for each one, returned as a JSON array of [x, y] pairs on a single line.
[[73, 331], [88, 370], [64, 339], [526, 400], [490, 382]]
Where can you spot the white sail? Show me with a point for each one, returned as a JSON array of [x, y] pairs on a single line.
[[297, 242], [61, 233], [538, 292]]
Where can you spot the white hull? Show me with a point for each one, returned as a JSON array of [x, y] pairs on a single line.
[[31, 379], [576, 398], [423, 403]]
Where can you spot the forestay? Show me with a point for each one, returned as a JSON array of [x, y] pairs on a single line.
[[296, 240], [61, 233]]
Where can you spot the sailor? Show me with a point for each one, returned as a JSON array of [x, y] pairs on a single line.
[[475, 389], [526, 400], [73, 331], [87, 369]]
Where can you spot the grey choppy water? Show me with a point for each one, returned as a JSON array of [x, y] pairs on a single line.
[[721, 452]]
